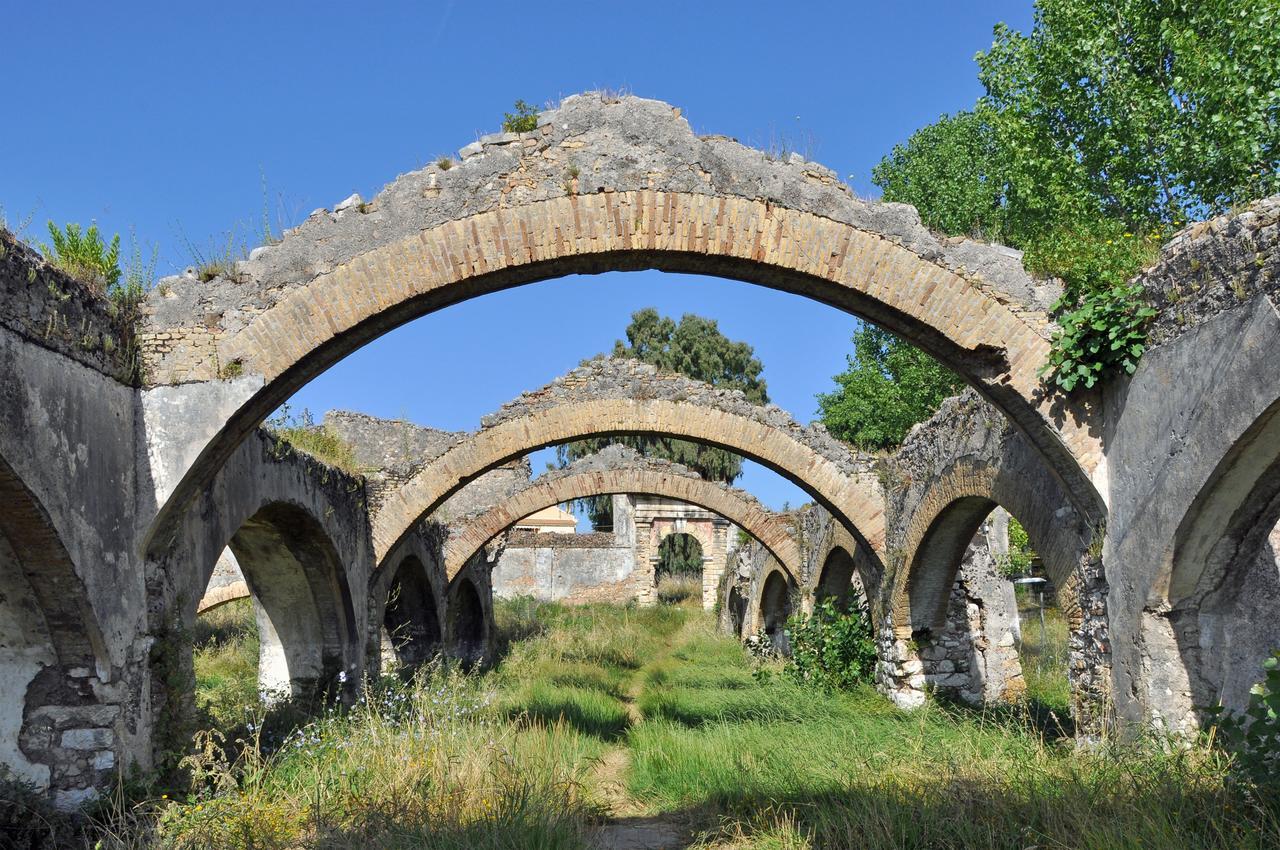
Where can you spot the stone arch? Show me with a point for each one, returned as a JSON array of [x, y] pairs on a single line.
[[507, 215], [55, 731], [822, 534], [221, 596], [951, 473], [774, 607], [411, 632], [306, 620], [297, 532], [701, 541], [1231, 516], [468, 625], [1221, 584], [611, 397], [619, 470], [957, 468], [839, 578], [696, 534]]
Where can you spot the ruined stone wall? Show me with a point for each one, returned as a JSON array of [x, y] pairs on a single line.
[[572, 568], [58, 313], [950, 474], [1213, 266], [595, 570], [73, 610], [1193, 445], [975, 658], [390, 451]]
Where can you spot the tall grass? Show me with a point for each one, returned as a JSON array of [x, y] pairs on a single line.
[[789, 767], [225, 644], [675, 588], [1044, 655], [587, 699]]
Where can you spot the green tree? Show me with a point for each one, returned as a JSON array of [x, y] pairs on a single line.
[[693, 347], [1111, 123], [949, 171], [889, 386], [679, 555]]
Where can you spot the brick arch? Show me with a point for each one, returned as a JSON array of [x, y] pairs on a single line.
[[936, 540], [53, 650], [410, 626], [773, 605], [467, 624], [839, 578], [218, 597], [949, 475], [614, 397], [824, 536], [647, 194], [298, 535], [466, 537]]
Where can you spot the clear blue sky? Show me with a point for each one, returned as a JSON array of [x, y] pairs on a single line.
[[164, 117]]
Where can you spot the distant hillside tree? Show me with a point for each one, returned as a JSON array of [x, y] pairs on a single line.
[[693, 347]]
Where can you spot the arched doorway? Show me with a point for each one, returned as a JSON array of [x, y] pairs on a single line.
[[411, 623], [839, 580], [679, 568], [467, 625], [53, 664], [775, 609], [303, 609]]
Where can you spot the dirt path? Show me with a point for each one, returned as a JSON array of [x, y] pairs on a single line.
[[628, 826]]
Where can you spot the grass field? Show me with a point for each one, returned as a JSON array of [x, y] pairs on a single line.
[[600, 723]]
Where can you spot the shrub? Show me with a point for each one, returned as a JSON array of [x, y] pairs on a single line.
[[1102, 317], [1254, 735], [523, 120], [28, 819], [84, 256], [832, 649]]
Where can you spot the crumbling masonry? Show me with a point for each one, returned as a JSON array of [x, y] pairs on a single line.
[[131, 458]]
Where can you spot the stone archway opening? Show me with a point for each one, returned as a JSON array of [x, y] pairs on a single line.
[[467, 625], [968, 615], [411, 633], [301, 603], [1220, 612], [775, 609], [840, 582], [59, 727], [26, 649], [737, 606], [678, 573]]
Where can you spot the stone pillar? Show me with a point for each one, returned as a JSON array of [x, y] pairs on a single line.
[[646, 570], [714, 561], [973, 657]]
